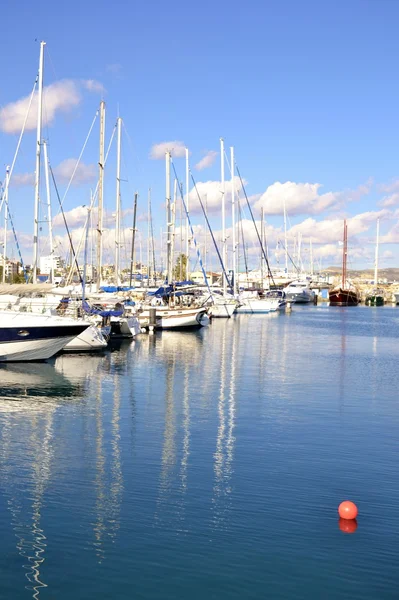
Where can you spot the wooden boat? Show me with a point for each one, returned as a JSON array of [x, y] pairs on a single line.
[[345, 294]]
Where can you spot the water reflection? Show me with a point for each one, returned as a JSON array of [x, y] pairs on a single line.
[[225, 440], [26, 509]]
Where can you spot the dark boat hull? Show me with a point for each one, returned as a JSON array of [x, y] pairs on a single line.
[[374, 301], [343, 298]]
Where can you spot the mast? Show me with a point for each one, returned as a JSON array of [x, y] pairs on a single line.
[[50, 225], [223, 212], [168, 219], [181, 233], [261, 253], [118, 202], [100, 196], [285, 237], [311, 257], [173, 222], [133, 239], [187, 209], [5, 221], [37, 169], [148, 235], [376, 254], [344, 255], [233, 217]]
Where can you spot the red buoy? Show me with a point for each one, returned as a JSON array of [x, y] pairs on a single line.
[[347, 510], [347, 525]]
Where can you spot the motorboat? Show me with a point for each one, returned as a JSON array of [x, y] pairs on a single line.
[[299, 292], [28, 336]]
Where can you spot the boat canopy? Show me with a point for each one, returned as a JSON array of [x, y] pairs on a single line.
[[91, 310]]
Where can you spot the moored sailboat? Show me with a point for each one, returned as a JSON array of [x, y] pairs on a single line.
[[345, 294]]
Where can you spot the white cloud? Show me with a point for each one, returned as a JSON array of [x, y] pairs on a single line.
[[62, 173], [210, 193], [331, 230], [59, 96], [391, 200], [84, 173], [300, 198], [207, 160], [94, 86], [305, 198], [176, 148], [22, 179], [75, 217]]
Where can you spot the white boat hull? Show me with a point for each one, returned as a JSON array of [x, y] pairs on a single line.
[[260, 306], [171, 318], [125, 327], [26, 337], [90, 340], [222, 311]]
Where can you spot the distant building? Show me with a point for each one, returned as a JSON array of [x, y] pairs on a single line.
[[12, 269], [47, 263]]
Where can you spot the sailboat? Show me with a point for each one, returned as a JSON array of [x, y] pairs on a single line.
[[345, 294], [376, 296]]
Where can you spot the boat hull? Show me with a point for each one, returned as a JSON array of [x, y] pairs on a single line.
[[342, 297], [89, 340], [186, 318], [222, 311], [374, 301], [25, 337]]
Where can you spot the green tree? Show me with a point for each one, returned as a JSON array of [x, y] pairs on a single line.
[[180, 270]]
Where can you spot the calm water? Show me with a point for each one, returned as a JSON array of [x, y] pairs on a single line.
[[207, 464]]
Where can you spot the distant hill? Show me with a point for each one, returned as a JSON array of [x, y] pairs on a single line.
[[392, 274]]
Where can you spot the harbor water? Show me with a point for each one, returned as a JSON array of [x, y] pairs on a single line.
[[207, 464]]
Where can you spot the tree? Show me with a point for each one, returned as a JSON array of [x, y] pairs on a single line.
[[180, 270]]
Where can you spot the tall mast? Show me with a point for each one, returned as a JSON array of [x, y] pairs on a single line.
[[233, 216], [311, 257], [181, 233], [37, 169], [100, 196], [49, 218], [285, 237], [223, 212], [173, 223], [261, 253], [376, 253], [344, 255], [168, 219], [118, 201], [5, 221], [148, 236], [133, 239], [187, 224]]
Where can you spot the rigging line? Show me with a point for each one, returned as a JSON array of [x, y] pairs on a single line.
[[79, 158], [192, 231], [7, 208], [152, 239], [93, 199], [256, 229], [18, 144], [66, 224], [289, 256], [243, 243], [211, 232]]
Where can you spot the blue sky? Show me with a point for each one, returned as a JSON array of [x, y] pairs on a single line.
[[307, 92]]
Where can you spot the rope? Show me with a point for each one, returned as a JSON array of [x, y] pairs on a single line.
[[256, 229], [211, 232], [192, 231]]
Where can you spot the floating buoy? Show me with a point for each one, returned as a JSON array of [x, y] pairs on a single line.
[[347, 525], [347, 510]]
